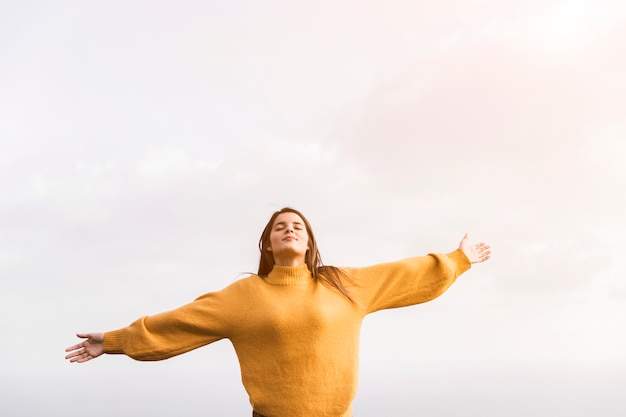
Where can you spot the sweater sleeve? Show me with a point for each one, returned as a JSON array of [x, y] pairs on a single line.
[[207, 319], [406, 282]]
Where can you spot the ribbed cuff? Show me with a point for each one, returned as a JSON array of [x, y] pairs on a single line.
[[113, 341], [461, 260]]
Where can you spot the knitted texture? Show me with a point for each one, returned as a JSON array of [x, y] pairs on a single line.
[[296, 339]]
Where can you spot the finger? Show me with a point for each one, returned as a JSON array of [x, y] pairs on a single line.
[[483, 247], [84, 358], [75, 347], [72, 356], [79, 357], [78, 345]]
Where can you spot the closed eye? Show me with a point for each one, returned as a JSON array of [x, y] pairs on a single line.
[[282, 225]]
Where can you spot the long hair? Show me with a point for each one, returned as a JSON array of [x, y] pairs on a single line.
[[329, 275]]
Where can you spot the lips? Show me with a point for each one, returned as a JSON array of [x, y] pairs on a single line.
[[289, 239]]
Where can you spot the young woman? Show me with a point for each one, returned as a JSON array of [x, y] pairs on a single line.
[[295, 324]]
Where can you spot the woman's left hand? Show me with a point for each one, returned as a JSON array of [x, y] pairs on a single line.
[[475, 253]]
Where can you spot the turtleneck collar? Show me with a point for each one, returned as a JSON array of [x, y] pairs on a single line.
[[289, 275]]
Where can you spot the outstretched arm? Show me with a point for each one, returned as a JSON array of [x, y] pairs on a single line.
[[87, 350], [475, 253]]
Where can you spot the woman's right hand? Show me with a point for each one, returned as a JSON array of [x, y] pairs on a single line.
[[87, 350]]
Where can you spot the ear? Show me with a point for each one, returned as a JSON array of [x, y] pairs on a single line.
[[269, 249]]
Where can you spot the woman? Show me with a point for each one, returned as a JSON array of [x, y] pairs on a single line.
[[295, 325]]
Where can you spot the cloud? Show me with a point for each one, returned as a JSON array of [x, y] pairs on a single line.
[[142, 179], [163, 162], [566, 262], [567, 28]]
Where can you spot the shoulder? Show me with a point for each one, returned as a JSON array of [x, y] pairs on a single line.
[[240, 286]]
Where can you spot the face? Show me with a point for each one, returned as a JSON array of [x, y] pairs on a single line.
[[289, 240]]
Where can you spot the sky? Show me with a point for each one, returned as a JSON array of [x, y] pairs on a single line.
[[144, 145]]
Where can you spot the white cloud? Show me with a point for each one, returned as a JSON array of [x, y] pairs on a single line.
[[11, 258], [39, 184], [207, 165], [564, 29], [164, 162], [298, 150], [395, 128]]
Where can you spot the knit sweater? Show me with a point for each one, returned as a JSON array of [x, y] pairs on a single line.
[[296, 339]]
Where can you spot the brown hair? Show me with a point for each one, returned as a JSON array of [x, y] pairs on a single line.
[[329, 275]]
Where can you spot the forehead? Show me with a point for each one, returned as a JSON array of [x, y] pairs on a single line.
[[288, 217]]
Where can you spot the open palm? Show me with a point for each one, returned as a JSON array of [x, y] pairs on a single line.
[[479, 252], [87, 350]]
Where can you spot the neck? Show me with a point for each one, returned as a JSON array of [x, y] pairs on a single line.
[[289, 275], [289, 261]]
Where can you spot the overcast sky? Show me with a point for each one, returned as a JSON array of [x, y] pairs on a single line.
[[144, 145]]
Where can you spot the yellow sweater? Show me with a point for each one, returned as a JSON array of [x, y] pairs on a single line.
[[297, 340]]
